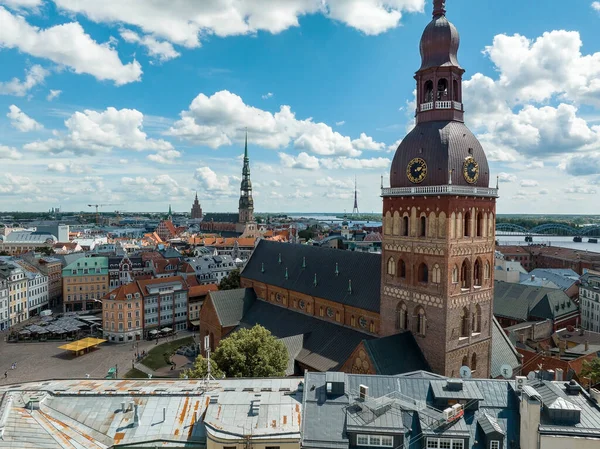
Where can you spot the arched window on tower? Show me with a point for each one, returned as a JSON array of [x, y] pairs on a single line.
[[473, 362], [423, 230], [467, 224], [405, 226], [486, 271], [402, 269], [477, 319], [455, 90], [477, 273], [442, 89], [401, 316], [396, 225], [436, 274], [387, 230], [421, 321], [464, 323], [391, 266], [455, 275], [428, 92], [480, 224], [465, 275], [423, 273]]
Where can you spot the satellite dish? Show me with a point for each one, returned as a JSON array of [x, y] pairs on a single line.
[[465, 372], [506, 371], [531, 375]]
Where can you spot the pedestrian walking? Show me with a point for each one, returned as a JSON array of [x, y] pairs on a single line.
[[6, 374]]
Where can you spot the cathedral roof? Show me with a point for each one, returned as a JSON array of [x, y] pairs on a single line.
[[444, 146]]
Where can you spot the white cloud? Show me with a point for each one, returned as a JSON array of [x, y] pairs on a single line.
[[535, 164], [211, 181], [162, 186], [18, 4], [9, 153], [183, 22], [394, 146], [275, 183], [529, 183], [355, 164], [21, 121], [506, 177], [160, 50], [165, 157], [34, 76], [54, 93], [302, 161], [67, 44], [267, 95], [91, 132], [17, 185], [586, 190], [223, 117], [300, 194], [543, 192], [596, 6], [123, 161], [69, 167], [335, 183], [340, 123], [365, 142]]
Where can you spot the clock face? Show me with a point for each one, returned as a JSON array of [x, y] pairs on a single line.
[[471, 170], [416, 170]]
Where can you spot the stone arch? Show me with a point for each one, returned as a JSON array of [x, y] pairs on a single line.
[[465, 330], [436, 274], [387, 230], [423, 273], [405, 229], [442, 89], [465, 274], [477, 319], [477, 272], [479, 227], [391, 267], [396, 225], [422, 226], [401, 316], [441, 225], [401, 269], [452, 225], [428, 92], [467, 231], [421, 321]]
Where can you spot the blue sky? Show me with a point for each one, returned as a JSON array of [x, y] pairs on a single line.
[[141, 105]]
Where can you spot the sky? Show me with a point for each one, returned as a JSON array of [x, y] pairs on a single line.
[[139, 104]]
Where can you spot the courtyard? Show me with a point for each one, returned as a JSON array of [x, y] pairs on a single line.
[[44, 360]]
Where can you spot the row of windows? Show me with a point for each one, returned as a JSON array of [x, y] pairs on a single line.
[[120, 315], [435, 227], [120, 325], [445, 443], [423, 273], [375, 440], [402, 319]]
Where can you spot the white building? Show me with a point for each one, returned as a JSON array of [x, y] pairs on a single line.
[[589, 301], [17, 291], [4, 314], [37, 289], [507, 270], [211, 269]]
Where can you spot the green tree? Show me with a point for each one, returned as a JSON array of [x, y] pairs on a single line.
[[231, 281], [591, 370], [252, 352], [200, 369]]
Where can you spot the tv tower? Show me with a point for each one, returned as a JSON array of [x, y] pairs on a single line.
[[355, 209]]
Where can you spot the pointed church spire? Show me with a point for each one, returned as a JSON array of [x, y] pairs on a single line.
[[246, 146]]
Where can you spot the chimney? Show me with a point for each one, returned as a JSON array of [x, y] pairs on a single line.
[[558, 374], [532, 277]]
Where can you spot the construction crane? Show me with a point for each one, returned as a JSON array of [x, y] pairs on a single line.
[[100, 205]]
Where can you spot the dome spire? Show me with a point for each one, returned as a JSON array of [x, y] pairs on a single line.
[[439, 8]]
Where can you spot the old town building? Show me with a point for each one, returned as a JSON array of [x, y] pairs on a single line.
[[85, 282], [4, 308], [430, 292], [124, 269], [165, 304], [123, 313], [16, 282], [196, 297], [589, 300], [196, 209]]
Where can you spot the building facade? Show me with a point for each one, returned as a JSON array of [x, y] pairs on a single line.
[[85, 282], [211, 269], [18, 242], [589, 300], [165, 304], [196, 209], [16, 281], [439, 215], [123, 314], [124, 270], [37, 289], [4, 307]]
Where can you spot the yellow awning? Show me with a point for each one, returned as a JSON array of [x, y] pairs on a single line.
[[82, 344]]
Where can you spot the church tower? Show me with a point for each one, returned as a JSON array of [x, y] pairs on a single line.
[[439, 220], [196, 209], [246, 207]]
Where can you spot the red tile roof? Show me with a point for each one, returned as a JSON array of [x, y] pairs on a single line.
[[201, 290]]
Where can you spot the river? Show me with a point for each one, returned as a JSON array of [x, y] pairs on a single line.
[[564, 242]]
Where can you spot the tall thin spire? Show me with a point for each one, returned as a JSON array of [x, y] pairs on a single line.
[[246, 146], [355, 209], [246, 207], [439, 8]]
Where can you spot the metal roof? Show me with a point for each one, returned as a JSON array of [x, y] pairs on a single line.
[[232, 305], [396, 354], [503, 351], [312, 270]]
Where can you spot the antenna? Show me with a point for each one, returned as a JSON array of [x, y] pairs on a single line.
[[355, 209]]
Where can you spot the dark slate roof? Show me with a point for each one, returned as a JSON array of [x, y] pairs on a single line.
[[503, 351], [231, 305], [221, 217], [362, 269], [520, 302], [489, 425], [324, 422], [443, 145], [325, 345], [396, 354]]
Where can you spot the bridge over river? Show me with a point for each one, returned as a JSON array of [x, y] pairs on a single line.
[[548, 229]]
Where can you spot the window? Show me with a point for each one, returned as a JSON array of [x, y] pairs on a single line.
[[444, 443], [423, 230], [401, 316], [455, 275], [464, 323], [272, 447], [374, 440], [477, 272], [405, 226], [495, 444], [480, 224], [477, 319], [436, 274], [473, 362], [402, 269], [421, 321], [423, 273], [442, 89], [465, 275], [391, 266]]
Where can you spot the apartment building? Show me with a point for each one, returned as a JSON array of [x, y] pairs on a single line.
[[165, 304], [589, 300], [4, 309], [122, 314], [37, 288], [16, 281], [85, 282]]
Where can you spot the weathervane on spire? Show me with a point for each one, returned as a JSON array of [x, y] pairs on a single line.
[[439, 8]]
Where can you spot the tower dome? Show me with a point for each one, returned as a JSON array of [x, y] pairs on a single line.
[[439, 44]]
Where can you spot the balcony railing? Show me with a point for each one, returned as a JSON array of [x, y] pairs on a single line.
[[440, 105], [440, 190]]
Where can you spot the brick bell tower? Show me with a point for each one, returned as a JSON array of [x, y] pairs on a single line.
[[439, 220]]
